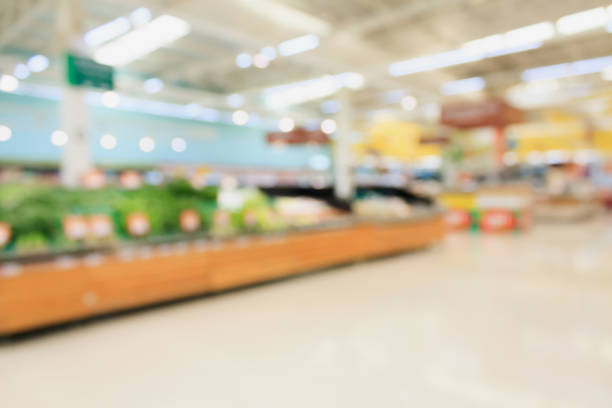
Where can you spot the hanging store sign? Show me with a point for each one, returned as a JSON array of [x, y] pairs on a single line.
[[492, 112], [298, 136], [82, 71]]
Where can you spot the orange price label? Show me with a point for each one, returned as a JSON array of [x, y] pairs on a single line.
[[138, 224], [458, 219], [100, 226], [190, 220], [5, 234], [497, 220], [75, 227], [130, 180]]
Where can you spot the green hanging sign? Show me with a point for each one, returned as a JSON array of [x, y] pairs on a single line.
[[82, 71]]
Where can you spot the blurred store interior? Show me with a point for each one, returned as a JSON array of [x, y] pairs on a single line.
[[287, 203]]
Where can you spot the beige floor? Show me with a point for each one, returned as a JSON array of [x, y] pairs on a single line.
[[482, 321]]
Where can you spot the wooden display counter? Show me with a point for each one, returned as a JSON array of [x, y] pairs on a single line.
[[54, 291]]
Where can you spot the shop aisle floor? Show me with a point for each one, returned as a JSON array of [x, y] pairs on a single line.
[[480, 321]]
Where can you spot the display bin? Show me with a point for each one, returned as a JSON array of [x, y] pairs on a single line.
[[39, 293]]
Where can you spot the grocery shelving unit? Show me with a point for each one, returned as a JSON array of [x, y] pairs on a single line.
[[54, 291]]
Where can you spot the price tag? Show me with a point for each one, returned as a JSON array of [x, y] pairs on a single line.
[[94, 179], [5, 234], [458, 219], [190, 220], [198, 180], [138, 224], [130, 180], [250, 219], [497, 220], [100, 226], [75, 227], [221, 218]]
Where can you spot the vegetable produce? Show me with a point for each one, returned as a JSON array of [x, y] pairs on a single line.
[[43, 217]]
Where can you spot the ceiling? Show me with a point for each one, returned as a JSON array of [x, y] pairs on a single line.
[[363, 36]]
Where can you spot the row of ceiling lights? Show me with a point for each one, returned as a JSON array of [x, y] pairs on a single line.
[[513, 41], [269, 53], [36, 63], [107, 141], [147, 144], [111, 99]]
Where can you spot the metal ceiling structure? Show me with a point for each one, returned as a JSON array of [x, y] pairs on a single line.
[[363, 36]]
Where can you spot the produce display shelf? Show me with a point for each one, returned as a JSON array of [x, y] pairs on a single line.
[[54, 291]]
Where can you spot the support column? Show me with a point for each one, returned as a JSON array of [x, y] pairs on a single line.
[[76, 157], [500, 149], [343, 178]]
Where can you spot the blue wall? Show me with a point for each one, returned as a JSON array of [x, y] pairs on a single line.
[[34, 119]]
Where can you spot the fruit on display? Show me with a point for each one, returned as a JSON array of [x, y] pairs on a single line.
[[382, 207], [37, 218], [304, 211]]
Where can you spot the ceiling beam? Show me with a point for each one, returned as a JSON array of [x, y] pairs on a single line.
[[26, 12]]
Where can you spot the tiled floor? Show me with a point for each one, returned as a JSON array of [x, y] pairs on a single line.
[[482, 321]]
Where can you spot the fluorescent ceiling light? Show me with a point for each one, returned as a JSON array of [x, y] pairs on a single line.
[[514, 41], [514, 50], [59, 138], [244, 60], [431, 62], [110, 99], [351, 80], [240, 117], [21, 71], [140, 16], [38, 63], [146, 144], [143, 40], [286, 125], [178, 144], [583, 21], [311, 89], [492, 43], [108, 31], [153, 85], [529, 34], [269, 52], [393, 96], [300, 92], [261, 61], [235, 100], [328, 126], [5, 133], [330, 107], [8, 83], [581, 67], [210, 115], [497, 45], [409, 102], [298, 45], [108, 142], [461, 86]]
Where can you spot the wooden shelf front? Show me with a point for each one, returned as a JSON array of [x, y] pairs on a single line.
[[47, 293]]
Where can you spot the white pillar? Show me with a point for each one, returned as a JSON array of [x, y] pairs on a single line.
[[343, 180], [76, 157]]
